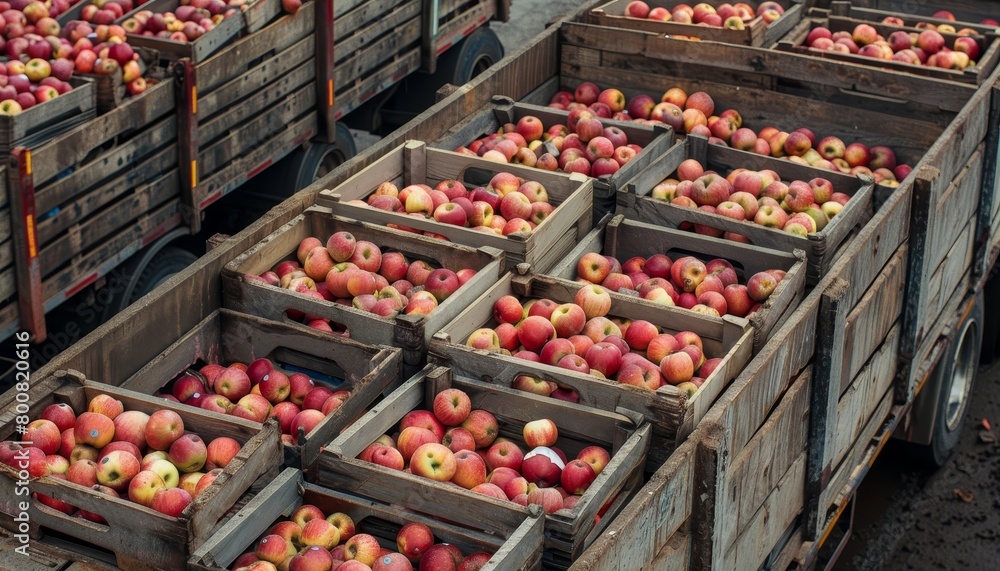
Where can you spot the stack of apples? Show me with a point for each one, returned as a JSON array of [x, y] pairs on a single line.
[[581, 145], [695, 114], [761, 197], [507, 205], [310, 540], [941, 15], [358, 273], [148, 458], [927, 48], [729, 16], [24, 85], [579, 337], [455, 443], [258, 391], [186, 23], [710, 288]]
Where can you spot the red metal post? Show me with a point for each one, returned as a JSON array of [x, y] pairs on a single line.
[[187, 141], [30, 297], [324, 70]]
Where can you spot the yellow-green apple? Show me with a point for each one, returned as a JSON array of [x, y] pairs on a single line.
[[597, 328], [189, 482], [252, 407], [319, 532], [188, 453], [594, 299], [37, 69], [56, 464], [274, 549], [568, 319], [452, 406], [166, 470], [483, 426], [831, 208], [541, 432], [596, 456], [93, 429], [43, 434], [534, 385], [232, 383], [117, 469], [143, 486], [761, 285], [107, 405], [61, 414], [344, 524]]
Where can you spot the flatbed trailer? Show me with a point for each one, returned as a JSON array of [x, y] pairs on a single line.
[[113, 201], [885, 345]]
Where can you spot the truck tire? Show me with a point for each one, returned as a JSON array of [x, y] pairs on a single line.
[[472, 56], [954, 377], [145, 272], [318, 160]]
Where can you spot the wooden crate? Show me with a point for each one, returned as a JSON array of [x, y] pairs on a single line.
[[139, 537], [820, 247], [948, 190], [909, 16], [40, 123], [757, 31], [965, 11], [566, 531], [247, 106], [988, 223], [521, 550], [671, 412], [623, 238], [255, 15], [378, 42], [655, 140], [340, 364], [989, 50], [631, 55], [412, 333], [413, 163]]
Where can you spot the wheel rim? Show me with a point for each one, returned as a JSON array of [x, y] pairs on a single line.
[[964, 371], [482, 64], [328, 163]]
